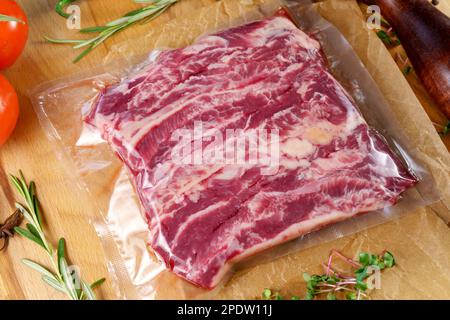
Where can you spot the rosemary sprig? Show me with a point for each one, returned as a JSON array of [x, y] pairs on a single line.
[[145, 14], [9, 19], [62, 278]]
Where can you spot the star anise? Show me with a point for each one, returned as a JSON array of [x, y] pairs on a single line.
[[7, 228]]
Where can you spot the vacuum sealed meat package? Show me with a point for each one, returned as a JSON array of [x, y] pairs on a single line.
[[239, 142], [255, 80]]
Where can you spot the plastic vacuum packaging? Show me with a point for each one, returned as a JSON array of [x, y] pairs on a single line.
[[183, 226]]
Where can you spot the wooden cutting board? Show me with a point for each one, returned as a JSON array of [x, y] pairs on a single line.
[[66, 209]]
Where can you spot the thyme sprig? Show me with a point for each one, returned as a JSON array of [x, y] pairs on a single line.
[[62, 277], [352, 286], [102, 33]]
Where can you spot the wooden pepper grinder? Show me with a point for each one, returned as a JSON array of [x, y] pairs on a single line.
[[424, 32]]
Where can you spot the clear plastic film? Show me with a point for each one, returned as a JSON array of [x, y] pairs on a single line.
[[125, 194]]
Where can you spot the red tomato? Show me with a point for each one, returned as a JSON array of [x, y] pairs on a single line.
[[9, 109], [13, 35]]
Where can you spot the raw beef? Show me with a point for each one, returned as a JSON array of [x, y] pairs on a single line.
[[266, 75]]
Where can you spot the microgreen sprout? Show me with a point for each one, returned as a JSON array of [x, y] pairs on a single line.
[[446, 130], [331, 284], [269, 295]]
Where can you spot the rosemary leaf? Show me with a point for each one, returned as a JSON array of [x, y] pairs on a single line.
[[18, 186], [24, 187], [89, 42], [93, 29], [83, 54], [37, 267], [63, 41], [97, 283], [87, 290], [53, 283], [119, 21], [77, 285], [27, 234], [4, 18], [33, 230], [35, 202], [36, 207], [61, 251], [32, 189], [67, 278], [153, 9]]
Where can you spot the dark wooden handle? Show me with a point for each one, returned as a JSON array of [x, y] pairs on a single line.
[[424, 32]]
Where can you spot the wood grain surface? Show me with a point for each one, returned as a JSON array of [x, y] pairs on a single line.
[[67, 210]]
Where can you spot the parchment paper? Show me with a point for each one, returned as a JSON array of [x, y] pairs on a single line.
[[420, 241]]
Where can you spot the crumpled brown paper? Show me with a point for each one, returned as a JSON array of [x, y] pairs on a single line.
[[420, 241]]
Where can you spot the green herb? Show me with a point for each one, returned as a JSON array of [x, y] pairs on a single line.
[[352, 286], [309, 295], [384, 36], [407, 70], [277, 296], [331, 296], [306, 276], [446, 130], [9, 19], [387, 39], [388, 259], [62, 277], [267, 294], [61, 5], [366, 258], [350, 296], [383, 21], [360, 285], [145, 14]]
